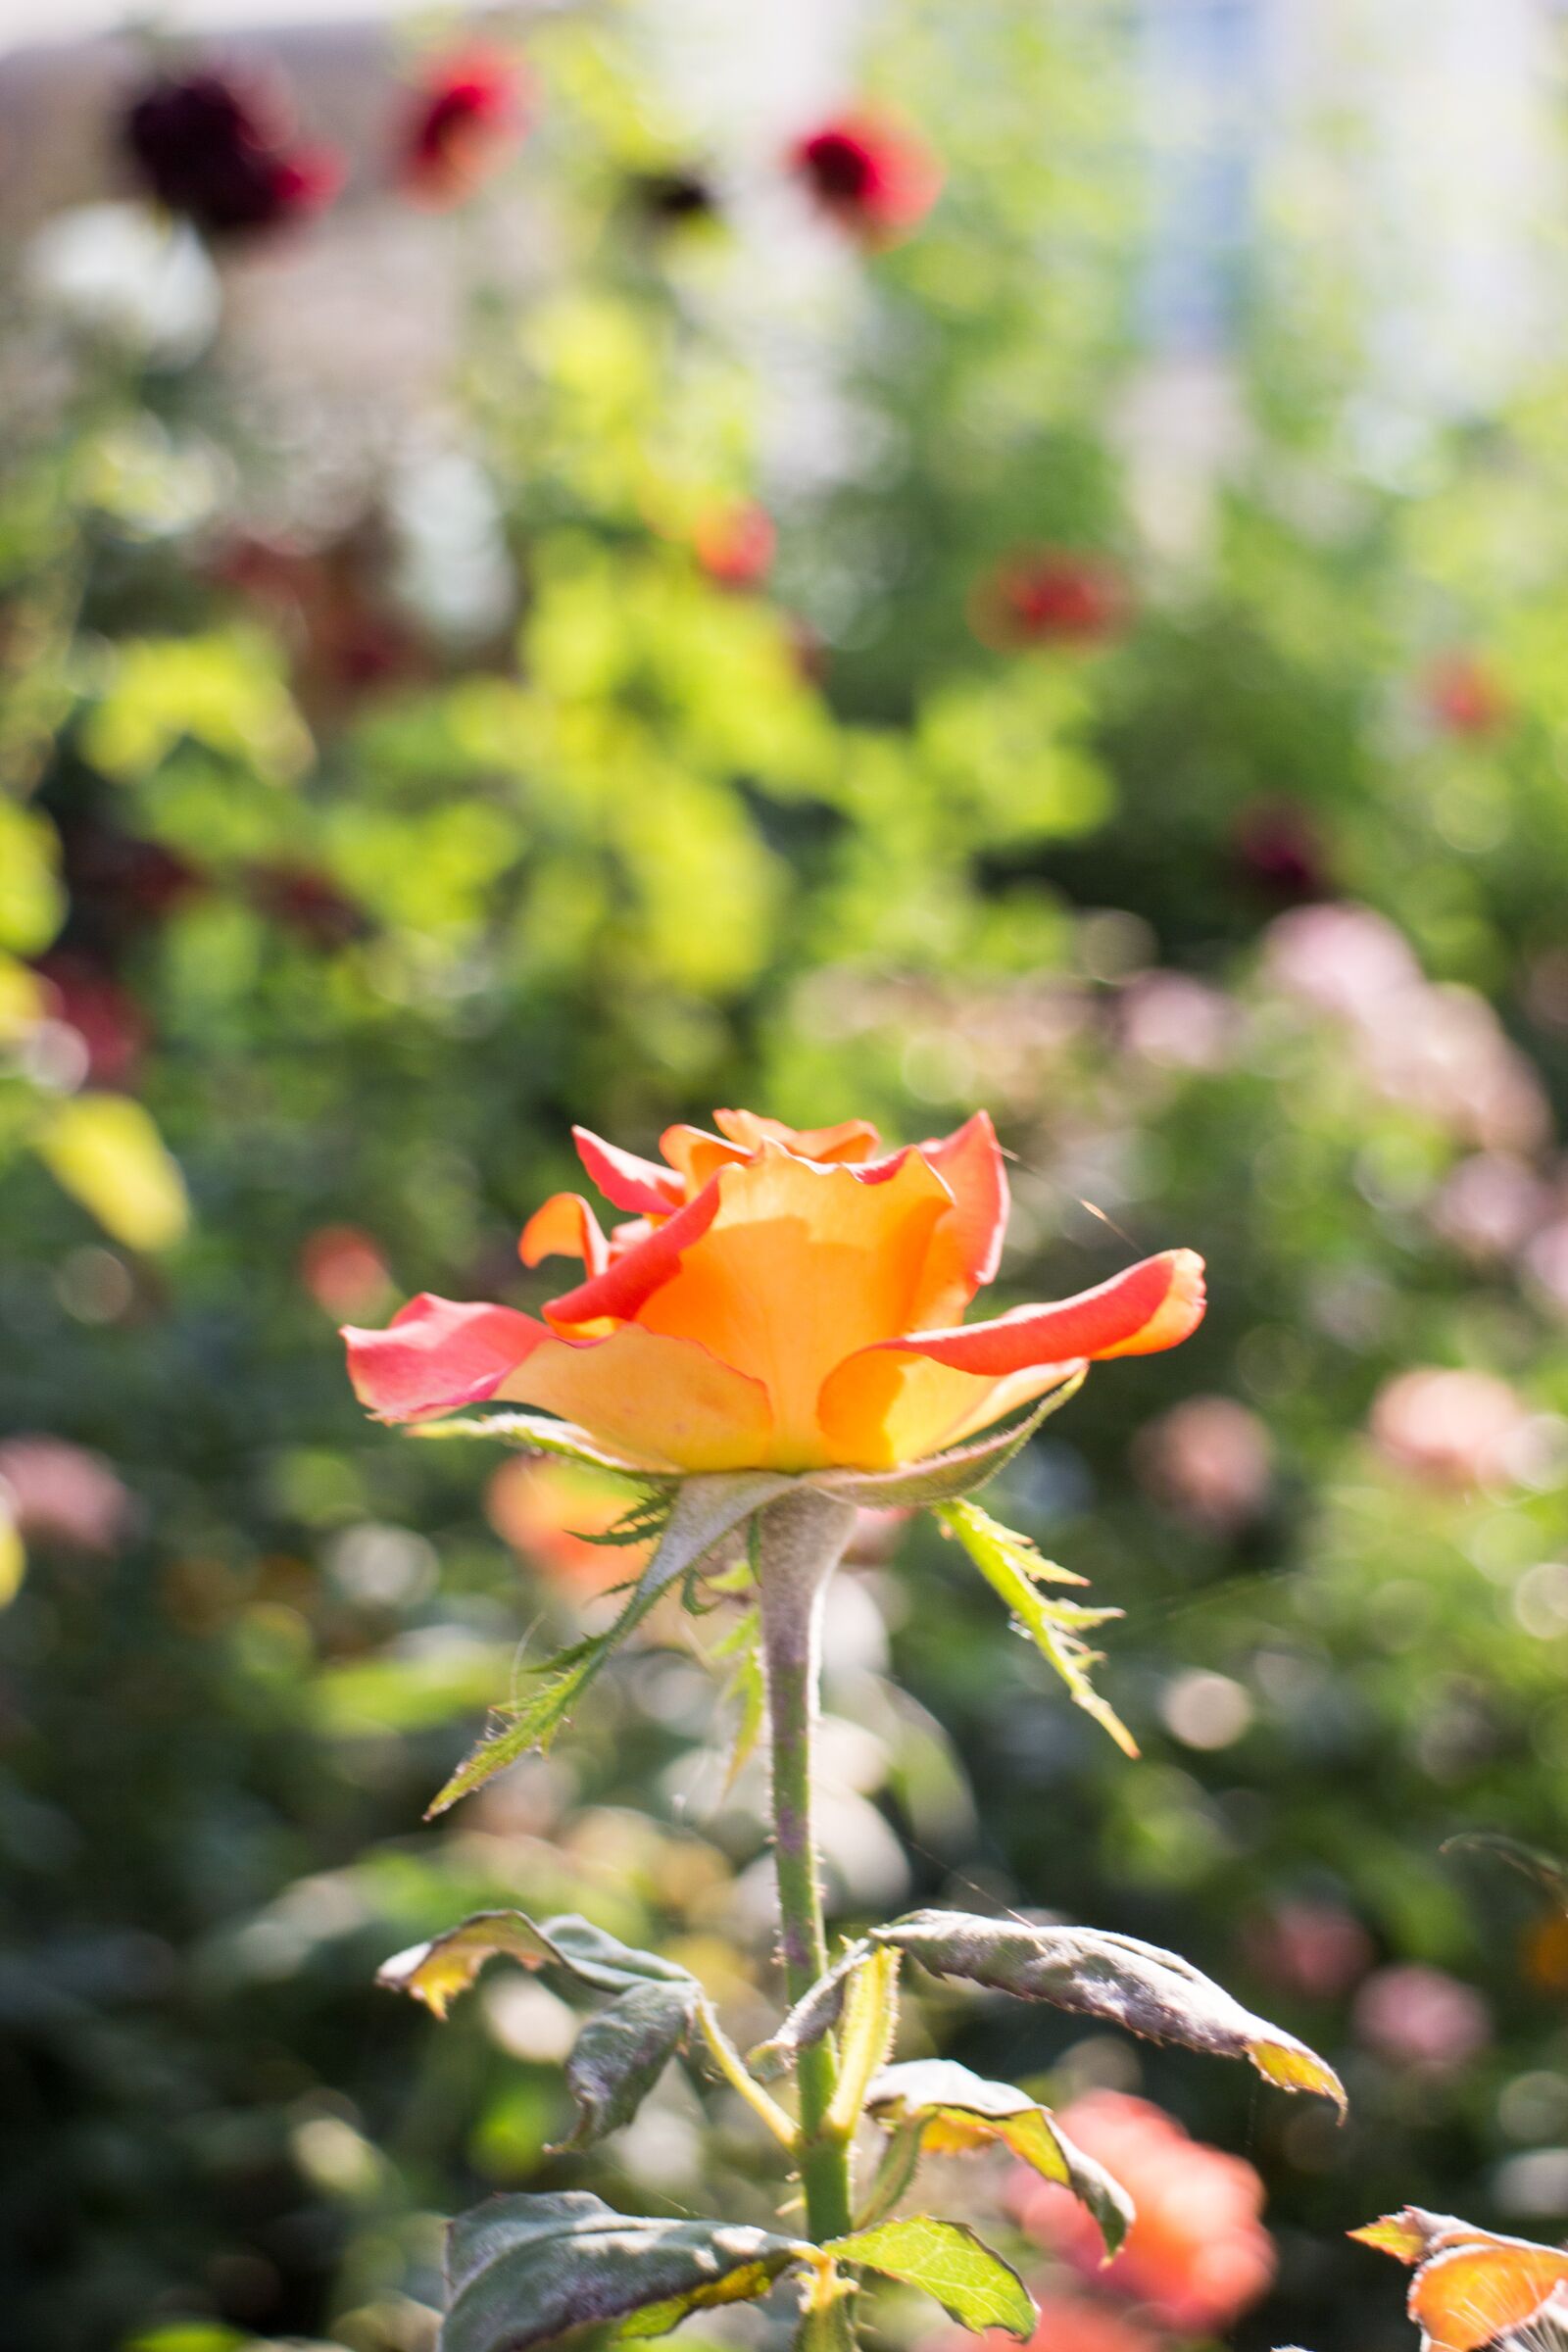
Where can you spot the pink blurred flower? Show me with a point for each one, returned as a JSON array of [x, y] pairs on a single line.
[[1315, 1949], [1463, 696], [1422, 2017], [1341, 958], [1209, 1460], [220, 151], [869, 173], [734, 544], [1068, 2324], [466, 110], [1178, 1022], [1451, 1428], [345, 1272], [1198, 2255], [61, 1494], [1489, 1206], [1049, 595]]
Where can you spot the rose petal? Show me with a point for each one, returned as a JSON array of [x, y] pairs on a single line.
[[437, 1355], [850, 1140], [628, 1182], [564, 1227], [668, 1402], [1152, 1305], [631, 1278]]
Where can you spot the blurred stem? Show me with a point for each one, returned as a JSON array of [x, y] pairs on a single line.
[[800, 1540]]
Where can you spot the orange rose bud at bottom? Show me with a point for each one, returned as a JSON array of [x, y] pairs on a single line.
[[778, 1300]]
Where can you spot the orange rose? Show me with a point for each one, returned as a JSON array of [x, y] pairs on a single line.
[[782, 1300]]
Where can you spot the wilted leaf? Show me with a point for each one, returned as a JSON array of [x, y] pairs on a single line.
[[523, 2272], [946, 2259], [106, 1151], [705, 1510], [621, 2052], [1471, 2288], [943, 1476], [954, 2110], [814, 2014], [1011, 1566], [1134, 1984]]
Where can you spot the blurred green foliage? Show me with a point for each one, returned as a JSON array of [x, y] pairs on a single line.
[[317, 928]]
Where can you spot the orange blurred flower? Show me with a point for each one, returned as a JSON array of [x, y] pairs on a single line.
[[1464, 697], [778, 1300], [1068, 2324], [1198, 2255], [734, 544], [546, 1511], [343, 1271]]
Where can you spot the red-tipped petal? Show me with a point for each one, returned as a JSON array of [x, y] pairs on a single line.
[[639, 1185], [1155, 1304], [630, 1278], [967, 1246], [564, 1227], [437, 1355]]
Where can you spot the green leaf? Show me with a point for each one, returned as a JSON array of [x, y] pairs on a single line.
[[1011, 1566], [943, 1476], [32, 899], [534, 1433], [621, 2052], [1137, 1985], [954, 2110], [954, 2266], [106, 1151], [704, 1511], [870, 2021], [525, 2272], [813, 2015]]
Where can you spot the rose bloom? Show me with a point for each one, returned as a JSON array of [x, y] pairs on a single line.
[[1450, 1427], [1209, 1460], [220, 151], [734, 544], [1422, 2017], [872, 176], [1049, 595], [466, 112], [57, 1492], [778, 1300], [1198, 2255]]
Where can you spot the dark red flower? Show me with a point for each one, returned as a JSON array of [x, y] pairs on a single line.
[[875, 179], [466, 110], [221, 153], [1279, 852], [1463, 696], [118, 881], [89, 1000], [734, 544], [1049, 596], [308, 902]]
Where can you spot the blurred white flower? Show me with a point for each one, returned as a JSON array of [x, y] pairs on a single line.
[[119, 270]]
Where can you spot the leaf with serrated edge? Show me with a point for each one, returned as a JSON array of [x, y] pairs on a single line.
[[1010, 1565], [533, 1434], [524, 2272], [814, 2014], [957, 2110], [943, 1476], [704, 1512], [1136, 1986], [975, 2287]]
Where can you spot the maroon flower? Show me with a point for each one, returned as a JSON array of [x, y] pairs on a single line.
[[1278, 851], [1049, 596], [734, 544], [87, 997], [306, 901], [221, 153], [876, 179], [466, 110]]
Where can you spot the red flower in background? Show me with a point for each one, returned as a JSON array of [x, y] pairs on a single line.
[[1198, 2255], [307, 902], [734, 544], [467, 109], [343, 1271], [876, 179], [1068, 2324], [108, 1020], [220, 153], [1464, 697], [1049, 596], [1278, 849]]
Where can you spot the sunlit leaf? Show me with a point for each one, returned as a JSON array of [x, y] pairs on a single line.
[[523, 2272], [950, 2264], [1011, 1566], [870, 2021], [814, 2014], [1133, 1985], [106, 1151], [32, 900], [955, 2110]]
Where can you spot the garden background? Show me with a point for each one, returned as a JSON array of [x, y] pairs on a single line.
[[624, 628]]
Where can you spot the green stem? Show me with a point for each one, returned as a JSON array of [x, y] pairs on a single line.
[[802, 1539]]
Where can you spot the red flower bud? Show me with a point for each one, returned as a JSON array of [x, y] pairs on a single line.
[[467, 109], [876, 179]]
